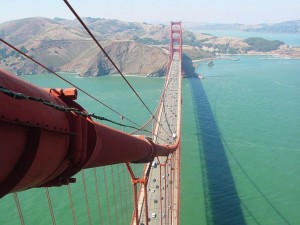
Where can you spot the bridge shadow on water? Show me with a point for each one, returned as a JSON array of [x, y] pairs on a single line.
[[222, 201]]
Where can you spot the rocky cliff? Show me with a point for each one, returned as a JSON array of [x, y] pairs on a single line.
[[129, 56]]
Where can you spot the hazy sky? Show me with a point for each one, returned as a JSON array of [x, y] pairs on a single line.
[[222, 11]]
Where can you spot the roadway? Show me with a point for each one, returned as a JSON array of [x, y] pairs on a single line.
[[162, 185]]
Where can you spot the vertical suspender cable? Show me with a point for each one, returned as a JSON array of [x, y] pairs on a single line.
[[171, 189], [168, 194], [145, 183], [146, 203], [97, 194], [165, 195], [178, 184], [71, 204], [160, 193], [19, 208], [50, 206], [86, 198], [126, 197], [114, 193], [135, 204], [172, 185], [107, 199], [120, 190], [133, 178]]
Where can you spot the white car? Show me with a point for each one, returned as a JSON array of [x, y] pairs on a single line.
[[154, 164], [174, 135]]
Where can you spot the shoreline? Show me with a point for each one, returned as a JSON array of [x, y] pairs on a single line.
[[223, 57], [106, 75]]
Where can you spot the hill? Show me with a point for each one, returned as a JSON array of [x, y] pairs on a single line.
[[283, 27], [129, 56], [63, 45], [260, 44], [137, 48]]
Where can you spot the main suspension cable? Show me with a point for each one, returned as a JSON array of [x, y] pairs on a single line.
[[20, 96], [111, 61]]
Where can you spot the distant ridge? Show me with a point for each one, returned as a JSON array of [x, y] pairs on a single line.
[[282, 27], [137, 48]]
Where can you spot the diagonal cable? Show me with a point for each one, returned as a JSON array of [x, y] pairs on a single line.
[[111, 61], [56, 74]]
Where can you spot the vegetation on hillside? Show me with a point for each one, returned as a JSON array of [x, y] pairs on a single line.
[[63, 44], [151, 41], [262, 45], [198, 53], [5, 53]]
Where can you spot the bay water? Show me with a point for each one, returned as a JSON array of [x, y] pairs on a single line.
[[240, 141]]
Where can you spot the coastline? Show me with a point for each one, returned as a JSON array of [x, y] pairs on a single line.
[[111, 75], [226, 57]]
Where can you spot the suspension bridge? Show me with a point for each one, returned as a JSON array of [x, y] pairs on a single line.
[[126, 178]]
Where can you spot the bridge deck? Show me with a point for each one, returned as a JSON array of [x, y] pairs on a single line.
[[163, 183]]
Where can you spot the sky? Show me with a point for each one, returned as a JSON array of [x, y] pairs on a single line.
[[212, 11]]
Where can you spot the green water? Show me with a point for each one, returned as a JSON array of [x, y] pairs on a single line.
[[253, 107], [240, 145], [113, 92]]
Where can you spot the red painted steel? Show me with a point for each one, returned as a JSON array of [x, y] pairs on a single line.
[[41, 146]]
